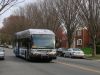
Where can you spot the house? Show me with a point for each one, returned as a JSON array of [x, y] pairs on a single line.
[[81, 38], [61, 38]]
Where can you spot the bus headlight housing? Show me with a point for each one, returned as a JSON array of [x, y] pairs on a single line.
[[53, 52], [35, 52]]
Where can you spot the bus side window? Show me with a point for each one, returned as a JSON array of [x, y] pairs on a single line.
[[22, 43], [29, 43]]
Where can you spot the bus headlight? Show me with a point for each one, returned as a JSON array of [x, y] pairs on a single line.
[[52, 52], [34, 52]]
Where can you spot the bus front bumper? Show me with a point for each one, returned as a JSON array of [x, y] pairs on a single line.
[[43, 56]]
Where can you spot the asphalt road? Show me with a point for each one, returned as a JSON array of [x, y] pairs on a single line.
[[62, 66]]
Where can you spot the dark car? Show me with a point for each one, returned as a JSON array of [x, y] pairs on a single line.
[[61, 51]]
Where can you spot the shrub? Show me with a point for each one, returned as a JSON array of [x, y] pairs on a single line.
[[87, 50], [98, 49]]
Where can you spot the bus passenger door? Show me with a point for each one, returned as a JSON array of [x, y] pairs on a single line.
[[16, 49]]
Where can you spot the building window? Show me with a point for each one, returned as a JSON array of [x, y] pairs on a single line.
[[79, 32], [79, 42]]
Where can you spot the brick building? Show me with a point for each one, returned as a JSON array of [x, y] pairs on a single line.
[[81, 37], [61, 37]]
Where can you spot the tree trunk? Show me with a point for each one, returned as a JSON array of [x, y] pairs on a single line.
[[69, 43], [94, 48]]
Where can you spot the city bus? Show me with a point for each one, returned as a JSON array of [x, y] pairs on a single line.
[[38, 44]]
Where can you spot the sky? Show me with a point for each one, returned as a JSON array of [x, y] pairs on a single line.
[[9, 12]]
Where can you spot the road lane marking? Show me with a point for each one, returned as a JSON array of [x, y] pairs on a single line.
[[82, 68]]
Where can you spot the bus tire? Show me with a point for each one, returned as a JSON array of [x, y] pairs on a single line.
[[17, 55], [49, 60]]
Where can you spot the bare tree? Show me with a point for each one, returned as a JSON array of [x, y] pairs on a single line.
[[34, 15], [23, 18], [68, 11], [13, 24], [49, 15], [41, 15], [7, 4], [90, 14]]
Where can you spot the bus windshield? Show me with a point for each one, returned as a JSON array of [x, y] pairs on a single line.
[[43, 41]]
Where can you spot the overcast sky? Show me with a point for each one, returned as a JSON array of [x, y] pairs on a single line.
[[9, 12]]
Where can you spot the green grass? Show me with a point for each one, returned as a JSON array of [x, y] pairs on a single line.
[[97, 57]]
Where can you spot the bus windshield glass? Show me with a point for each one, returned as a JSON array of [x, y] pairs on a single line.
[[43, 41]]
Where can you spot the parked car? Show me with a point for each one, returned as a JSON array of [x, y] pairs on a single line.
[[2, 53], [10, 46], [60, 51], [4, 45], [74, 52]]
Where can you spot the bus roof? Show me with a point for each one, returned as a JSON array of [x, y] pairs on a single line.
[[29, 32]]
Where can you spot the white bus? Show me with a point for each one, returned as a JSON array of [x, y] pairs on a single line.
[[35, 44]]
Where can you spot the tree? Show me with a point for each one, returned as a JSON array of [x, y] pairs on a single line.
[[7, 4], [4, 6], [90, 14], [14, 24], [33, 15], [40, 15], [68, 11], [49, 15]]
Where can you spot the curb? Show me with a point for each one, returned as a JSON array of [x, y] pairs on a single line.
[[98, 60]]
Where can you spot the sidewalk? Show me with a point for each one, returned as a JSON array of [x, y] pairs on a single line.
[[97, 57], [98, 60]]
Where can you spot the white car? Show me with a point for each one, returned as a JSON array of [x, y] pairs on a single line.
[[2, 53], [74, 52]]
